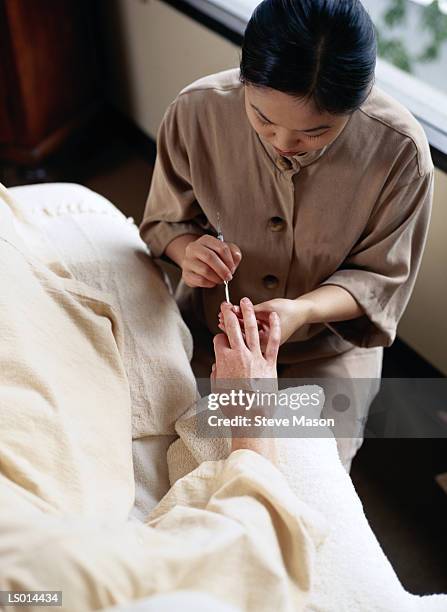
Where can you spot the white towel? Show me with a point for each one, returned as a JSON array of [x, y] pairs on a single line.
[[352, 573]]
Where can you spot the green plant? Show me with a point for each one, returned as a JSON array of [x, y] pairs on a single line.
[[394, 49]]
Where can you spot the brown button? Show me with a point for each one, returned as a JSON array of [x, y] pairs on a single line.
[[270, 281], [276, 224], [283, 163]]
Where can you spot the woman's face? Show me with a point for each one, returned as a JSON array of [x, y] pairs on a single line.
[[291, 126]]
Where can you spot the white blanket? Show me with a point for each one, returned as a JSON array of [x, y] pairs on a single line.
[[77, 232], [231, 529], [351, 571]]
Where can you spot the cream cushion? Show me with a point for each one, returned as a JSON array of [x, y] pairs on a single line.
[[65, 223]]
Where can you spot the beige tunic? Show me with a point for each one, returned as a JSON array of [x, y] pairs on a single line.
[[354, 214]]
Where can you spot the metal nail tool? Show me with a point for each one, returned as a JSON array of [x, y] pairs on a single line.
[[221, 238]]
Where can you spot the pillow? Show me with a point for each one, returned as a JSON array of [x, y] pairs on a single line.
[[102, 248], [64, 393]]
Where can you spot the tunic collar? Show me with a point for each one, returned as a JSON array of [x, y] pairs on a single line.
[[291, 163]]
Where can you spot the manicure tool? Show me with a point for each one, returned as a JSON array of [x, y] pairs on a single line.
[[221, 238]]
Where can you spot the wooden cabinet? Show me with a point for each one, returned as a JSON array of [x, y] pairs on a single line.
[[48, 75]]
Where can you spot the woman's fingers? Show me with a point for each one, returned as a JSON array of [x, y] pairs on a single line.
[[263, 307], [197, 280], [236, 254], [250, 325], [263, 310], [222, 249], [263, 316], [232, 327], [274, 338], [202, 269], [212, 260]]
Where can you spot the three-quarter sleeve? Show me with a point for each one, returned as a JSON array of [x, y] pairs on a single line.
[[380, 272], [171, 208]]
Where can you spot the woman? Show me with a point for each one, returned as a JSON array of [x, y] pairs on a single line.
[[323, 185]]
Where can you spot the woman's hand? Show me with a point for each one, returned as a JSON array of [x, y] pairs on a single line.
[[208, 262], [293, 314]]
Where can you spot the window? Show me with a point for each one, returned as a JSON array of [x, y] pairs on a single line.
[[411, 35], [412, 66]]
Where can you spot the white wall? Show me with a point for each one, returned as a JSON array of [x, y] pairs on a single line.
[[155, 50], [424, 325]]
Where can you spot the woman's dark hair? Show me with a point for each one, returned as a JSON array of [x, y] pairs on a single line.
[[319, 49]]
